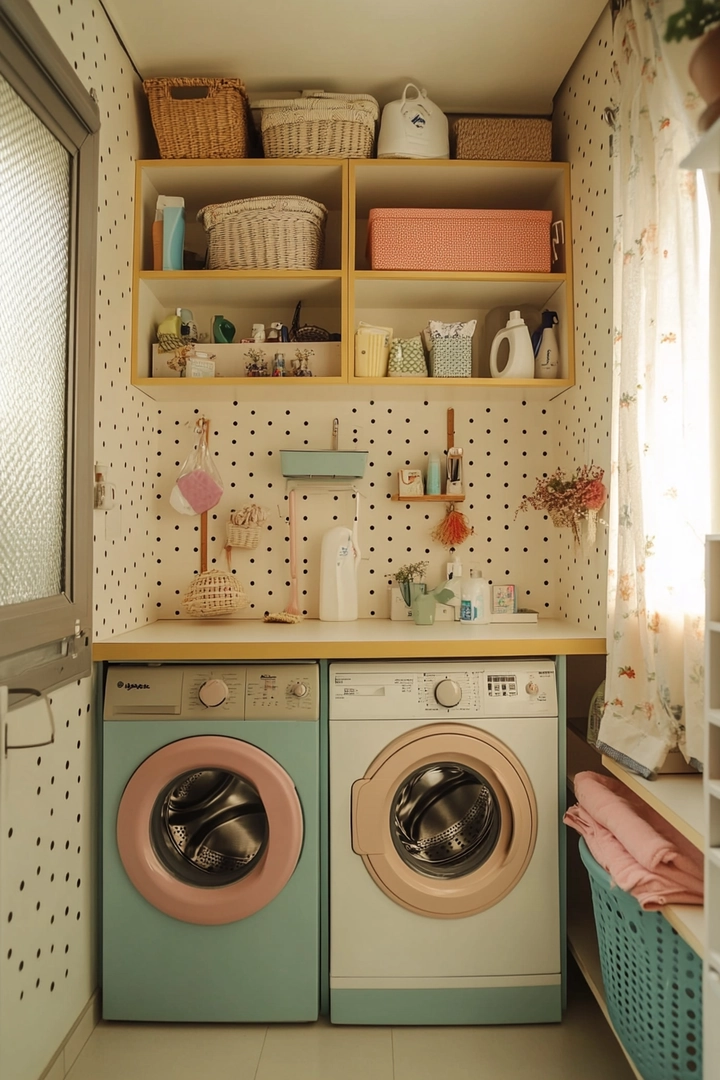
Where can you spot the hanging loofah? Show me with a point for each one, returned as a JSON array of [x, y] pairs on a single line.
[[453, 530]]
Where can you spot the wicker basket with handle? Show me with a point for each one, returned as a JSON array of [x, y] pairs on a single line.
[[274, 232], [319, 125], [214, 124]]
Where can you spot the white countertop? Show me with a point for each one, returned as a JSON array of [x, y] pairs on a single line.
[[252, 639]]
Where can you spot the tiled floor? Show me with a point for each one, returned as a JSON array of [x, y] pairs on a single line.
[[581, 1046]]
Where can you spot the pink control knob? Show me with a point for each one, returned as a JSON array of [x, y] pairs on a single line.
[[212, 693], [532, 689]]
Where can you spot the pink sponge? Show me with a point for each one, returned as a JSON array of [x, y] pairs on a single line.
[[200, 490]]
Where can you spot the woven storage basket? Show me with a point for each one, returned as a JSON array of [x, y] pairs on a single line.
[[319, 125], [502, 138], [242, 536], [214, 126], [275, 232], [652, 980], [212, 593]]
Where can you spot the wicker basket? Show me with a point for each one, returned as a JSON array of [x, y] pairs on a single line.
[[216, 125], [275, 232], [319, 125], [212, 593], [242, 536], [502, 138]]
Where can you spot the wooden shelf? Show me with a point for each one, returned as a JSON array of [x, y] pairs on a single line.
[[428, 498], [678, 798], [687, 919]]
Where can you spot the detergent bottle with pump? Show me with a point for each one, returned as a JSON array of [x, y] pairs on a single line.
[[521, 360]]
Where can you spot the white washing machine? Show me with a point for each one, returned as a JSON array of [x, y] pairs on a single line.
[[444, 843]]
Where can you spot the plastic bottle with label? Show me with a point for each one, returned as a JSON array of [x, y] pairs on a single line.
[[475, 602], [454, 584]]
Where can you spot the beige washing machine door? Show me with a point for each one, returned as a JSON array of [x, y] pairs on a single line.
[[445, 820]]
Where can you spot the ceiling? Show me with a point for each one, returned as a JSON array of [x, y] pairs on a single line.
[[482, 56]]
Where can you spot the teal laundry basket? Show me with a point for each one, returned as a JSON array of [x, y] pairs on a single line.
[[652, 980]]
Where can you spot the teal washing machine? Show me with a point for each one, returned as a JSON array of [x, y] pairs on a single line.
[[211, 842]]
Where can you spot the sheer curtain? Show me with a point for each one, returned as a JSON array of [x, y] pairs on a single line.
[[659, 507]]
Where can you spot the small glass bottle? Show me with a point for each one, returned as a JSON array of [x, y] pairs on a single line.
[[278, 365]]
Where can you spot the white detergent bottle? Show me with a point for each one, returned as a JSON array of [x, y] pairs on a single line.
[[484, 600], [470, 598], [339, 559], [521, 359]]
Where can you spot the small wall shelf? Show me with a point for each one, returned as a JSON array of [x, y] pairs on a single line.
[[428, 498]]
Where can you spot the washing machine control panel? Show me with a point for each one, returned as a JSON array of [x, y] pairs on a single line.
[[453, 690], [283, 692], [212, 692]]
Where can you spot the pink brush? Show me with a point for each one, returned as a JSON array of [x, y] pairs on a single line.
[[293, 608]]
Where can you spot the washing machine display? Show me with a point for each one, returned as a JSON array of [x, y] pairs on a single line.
[[211, 842]]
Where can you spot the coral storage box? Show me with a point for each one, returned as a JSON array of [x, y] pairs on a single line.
[[490, 240]]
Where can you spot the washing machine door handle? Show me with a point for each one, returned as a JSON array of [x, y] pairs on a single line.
[[366, 839]]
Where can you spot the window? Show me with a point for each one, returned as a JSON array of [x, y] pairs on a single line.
[[48, 201]]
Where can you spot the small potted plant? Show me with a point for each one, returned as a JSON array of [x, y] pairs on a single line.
[[407, 576], [701, 19]]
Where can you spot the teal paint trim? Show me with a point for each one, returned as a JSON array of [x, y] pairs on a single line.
[[476, 1005], [324, 958], [561, 676], [100, 674], [261, 969]]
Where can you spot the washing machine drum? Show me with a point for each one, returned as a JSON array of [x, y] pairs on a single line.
[[445, 820], [209, 829], [211, 826]]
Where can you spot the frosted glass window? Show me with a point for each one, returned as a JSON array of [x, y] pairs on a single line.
[[35, 222]]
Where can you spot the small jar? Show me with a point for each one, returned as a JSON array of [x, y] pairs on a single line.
[[278, 365]]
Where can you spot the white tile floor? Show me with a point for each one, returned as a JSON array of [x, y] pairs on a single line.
[[581, 1046]]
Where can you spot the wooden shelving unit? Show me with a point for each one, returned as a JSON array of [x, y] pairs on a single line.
[[345, 291]]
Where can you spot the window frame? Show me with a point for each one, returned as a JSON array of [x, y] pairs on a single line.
[[39, 73]]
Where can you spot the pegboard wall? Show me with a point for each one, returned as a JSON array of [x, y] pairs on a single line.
[[47, 887], [48, 893], [582, 137], [504, 445]]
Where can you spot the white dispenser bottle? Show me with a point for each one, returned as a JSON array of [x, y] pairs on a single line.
[[339, 557], [521, 359], [547, 356]]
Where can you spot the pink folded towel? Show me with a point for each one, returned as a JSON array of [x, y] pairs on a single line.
[[642, 852]]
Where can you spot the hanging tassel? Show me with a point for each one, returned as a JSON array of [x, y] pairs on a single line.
[[453, 530]]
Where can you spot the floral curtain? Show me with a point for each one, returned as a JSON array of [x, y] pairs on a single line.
[[659, 507]]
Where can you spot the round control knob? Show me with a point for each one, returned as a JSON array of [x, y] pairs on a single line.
[[212, 693], [532, 689], [448, 693], [299, 689]]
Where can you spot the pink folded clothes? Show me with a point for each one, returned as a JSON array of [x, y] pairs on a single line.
[[643, 853]]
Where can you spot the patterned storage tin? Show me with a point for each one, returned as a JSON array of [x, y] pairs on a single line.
[[451, 358], [475, 240], [502, 138]]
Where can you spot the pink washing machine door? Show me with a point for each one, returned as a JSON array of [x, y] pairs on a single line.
[[209, 829], [445, 820]]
